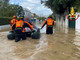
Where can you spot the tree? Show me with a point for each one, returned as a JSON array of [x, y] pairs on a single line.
[[20, 11], [7, 10], [6, 1], [60, 6]]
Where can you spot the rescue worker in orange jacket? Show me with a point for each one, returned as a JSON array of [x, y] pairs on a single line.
[[13, 20], [19, 29], [49, 27]]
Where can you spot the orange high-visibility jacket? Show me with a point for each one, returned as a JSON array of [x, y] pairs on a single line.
[[13, 21], [21, 24], [48, 22]]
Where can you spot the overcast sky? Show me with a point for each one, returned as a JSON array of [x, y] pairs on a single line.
[[34, 6]]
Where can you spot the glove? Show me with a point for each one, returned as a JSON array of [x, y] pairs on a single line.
[[41, 27], [32, 31]]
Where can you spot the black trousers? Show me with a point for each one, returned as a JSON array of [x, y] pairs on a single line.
[[19, 36], [49, 30]]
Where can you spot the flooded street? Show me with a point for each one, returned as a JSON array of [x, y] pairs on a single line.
[[59, 46], [63, 44]]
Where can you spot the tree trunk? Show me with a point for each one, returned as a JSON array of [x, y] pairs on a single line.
[[60, 23]]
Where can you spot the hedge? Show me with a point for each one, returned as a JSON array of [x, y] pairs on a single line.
[[5, 20]]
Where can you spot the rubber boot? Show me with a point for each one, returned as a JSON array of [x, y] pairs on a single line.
[[17, 37], [24, 36]]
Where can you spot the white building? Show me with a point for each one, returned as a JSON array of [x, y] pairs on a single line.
[[27, 13]]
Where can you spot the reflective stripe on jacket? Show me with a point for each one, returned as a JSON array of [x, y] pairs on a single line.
[[19, 24]]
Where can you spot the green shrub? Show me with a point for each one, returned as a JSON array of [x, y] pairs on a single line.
[[5, 20]]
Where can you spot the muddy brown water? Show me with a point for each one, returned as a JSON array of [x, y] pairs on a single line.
[[58, 46]]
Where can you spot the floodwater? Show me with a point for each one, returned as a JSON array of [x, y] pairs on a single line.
[[62, 45]]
